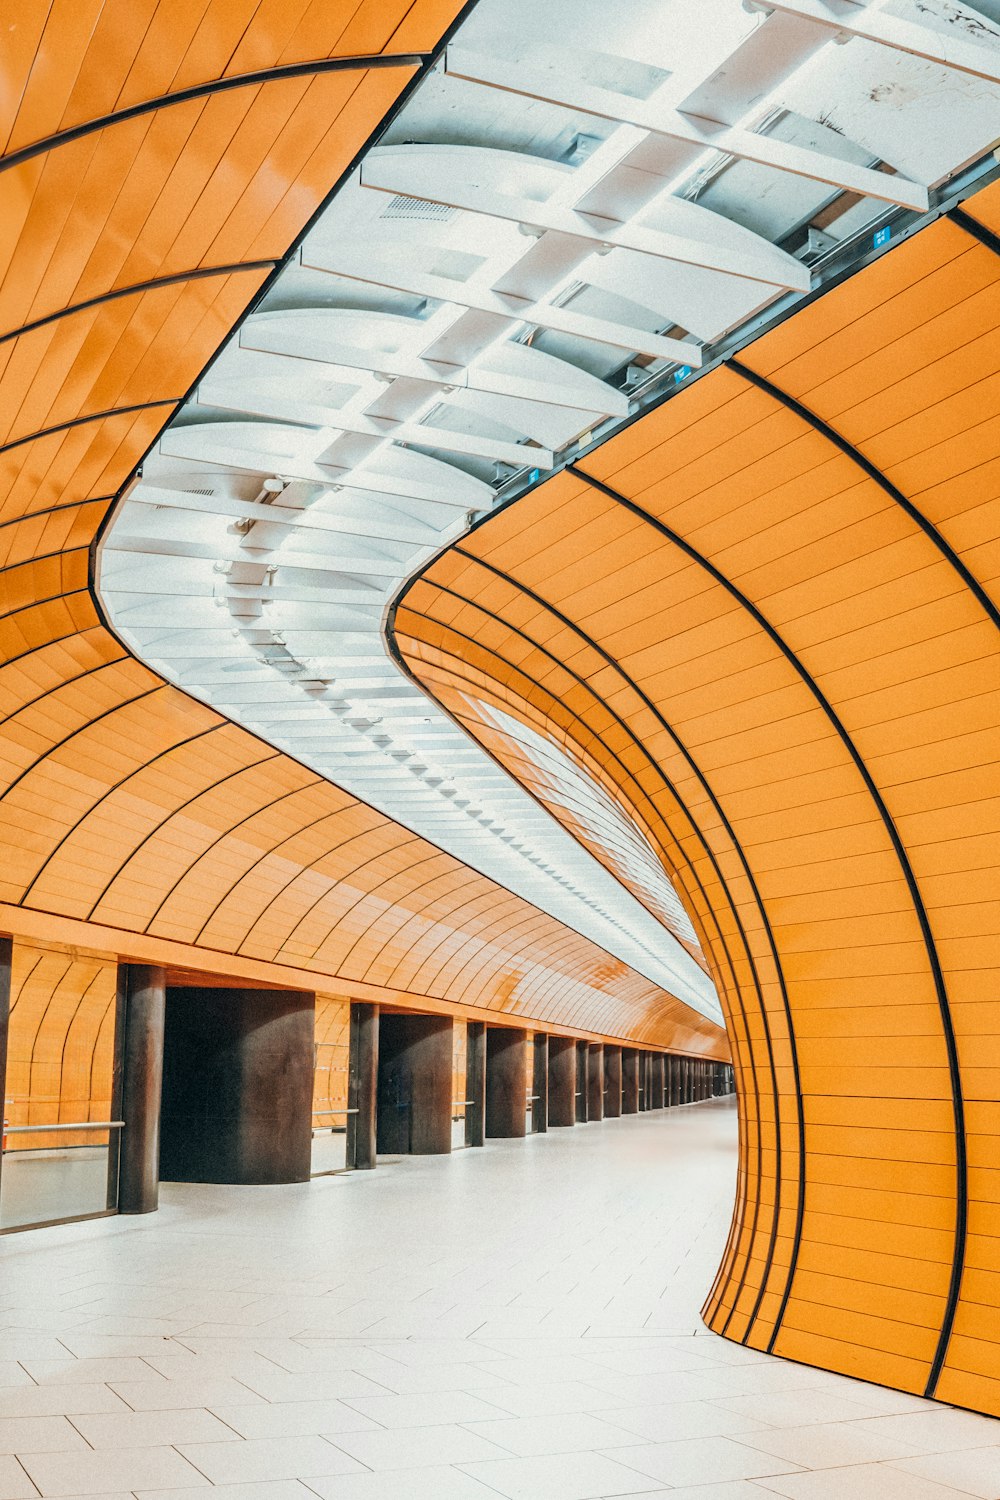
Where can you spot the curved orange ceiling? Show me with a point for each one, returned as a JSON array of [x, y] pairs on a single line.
[[157, 164], [764, 619]]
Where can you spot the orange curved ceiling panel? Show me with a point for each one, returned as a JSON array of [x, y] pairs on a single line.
[[763, 618], [157, 164]]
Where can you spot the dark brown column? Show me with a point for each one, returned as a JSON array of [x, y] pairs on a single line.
[[415, 1058], [475, 1083], [659, 1079], [582, 1082], [506, 1080], [644, 1095], [362, 1086], [595, 1081], [688, 1081], [6, 954], [562, 1080], [142, 996], [674, 1070], [630, 1081], [238, 1075], [612, 1081], [540, 1083]]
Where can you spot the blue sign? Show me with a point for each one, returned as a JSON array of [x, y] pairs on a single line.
[[681, 374], [535, 476], [881, 236]]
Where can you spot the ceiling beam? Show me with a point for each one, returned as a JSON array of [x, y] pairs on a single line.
[[729, 249], [707, 135]]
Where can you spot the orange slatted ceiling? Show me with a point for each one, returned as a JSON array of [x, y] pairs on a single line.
[[124, 804], [784, 667]]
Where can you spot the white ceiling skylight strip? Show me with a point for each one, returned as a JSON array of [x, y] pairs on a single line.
[[582, 200]]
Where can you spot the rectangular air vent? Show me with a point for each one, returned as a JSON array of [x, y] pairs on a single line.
[[402, 207]]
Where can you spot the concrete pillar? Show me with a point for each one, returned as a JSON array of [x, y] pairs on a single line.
[[595, 1081], [362, 1086], [540, 1083], [475, 1083], [630, 1081], [612, 1081], [562, 1080], [505, 1081], [582, 1082], [142, 997], [238, 1073], [414, 1084]]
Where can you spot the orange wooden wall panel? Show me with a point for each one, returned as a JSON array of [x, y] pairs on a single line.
[[766, 629]]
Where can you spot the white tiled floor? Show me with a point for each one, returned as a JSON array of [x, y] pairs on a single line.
[[520, 1322]]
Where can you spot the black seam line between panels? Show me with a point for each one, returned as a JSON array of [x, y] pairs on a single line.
[[94, 416], [303, 869], [992, 613], [616, 667], [174, 812], [55, 640], [200, 273], [115, 787], [699, 835], [800, 1108], [207, 90], [52, 510], [82, 729], [363, 896], [951, 1047], [411, 913], [66, 682], [873, 472], [973, 227], [582, 683], [731, 834], [226, 833]]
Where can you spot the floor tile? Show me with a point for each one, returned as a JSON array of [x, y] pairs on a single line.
[[430, 1410], [267, 1458], [103, 1473], [38, 1435], [551, 1400], [279, 1385], [693, 1459], [294, 1419], [859, 1482], [158, 1394], [533, 1436], [266, 1489], [153, 1429], [416, 1447], [794, 1408], [57, 1400], [667, 1422], [432, 1483], [937, 1429], [974, 1471], [88, 1371], [14, 1482], [565, 1476], [828, 1445]]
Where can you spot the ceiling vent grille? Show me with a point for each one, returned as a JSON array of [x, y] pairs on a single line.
[[402, 207]]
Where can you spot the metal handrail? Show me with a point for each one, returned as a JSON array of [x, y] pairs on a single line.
[[318, 1112], [455, 1103], [75, 1125]]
